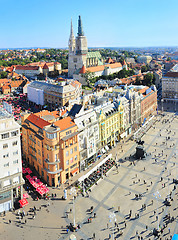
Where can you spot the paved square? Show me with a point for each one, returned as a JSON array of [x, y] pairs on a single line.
[[115, 190]]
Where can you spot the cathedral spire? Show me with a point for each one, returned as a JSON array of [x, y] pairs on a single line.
[[80, 27], [71, 31], [71, 40]]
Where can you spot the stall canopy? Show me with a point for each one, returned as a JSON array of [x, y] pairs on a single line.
[[25, 195], [23, 202]]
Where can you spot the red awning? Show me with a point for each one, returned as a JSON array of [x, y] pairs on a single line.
[[74, 171], [23, 202]]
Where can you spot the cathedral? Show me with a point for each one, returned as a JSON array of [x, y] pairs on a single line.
[[81, 60]]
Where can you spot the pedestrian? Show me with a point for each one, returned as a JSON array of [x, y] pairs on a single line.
[[25, 221], [9, 221], [169, 230], [94, 215], [109, 236], [93, 235], [125, 225], [146, 227], [107, 225]]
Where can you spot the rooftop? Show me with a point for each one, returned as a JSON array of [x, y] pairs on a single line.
[[51, 87], [65, 123]]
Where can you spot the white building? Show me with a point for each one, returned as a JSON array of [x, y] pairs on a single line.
[[29, 71], [88, 136], [170, 85], [10, 162], [35, 93]]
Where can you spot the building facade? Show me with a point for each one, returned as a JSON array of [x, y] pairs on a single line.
[[170, 85], [11, 181], [134, 108], [88, 136], [110, 123], [50, 145], [56, 95], [148, 103]]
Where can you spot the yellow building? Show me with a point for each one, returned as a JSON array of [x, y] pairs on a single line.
[[111, 123], [50, 145]]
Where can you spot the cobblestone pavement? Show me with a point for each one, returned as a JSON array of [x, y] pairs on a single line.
[[118, 189]]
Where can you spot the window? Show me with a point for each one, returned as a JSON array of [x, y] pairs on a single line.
[[15, 153], [67, 153], [55, 157], [67, 162], [14, 143], [39, 152], [75, 157], [71, 160], [5, 135], [14, 133], [38, 143], [5, 145], [68, 132], [75, 149], [6, 155], [15, 161], [6, 164], [56, 167], [51, 135], [39, 160], [48, 156]]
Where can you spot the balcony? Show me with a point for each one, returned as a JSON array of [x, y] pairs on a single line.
[[57, 171], [52, 163]]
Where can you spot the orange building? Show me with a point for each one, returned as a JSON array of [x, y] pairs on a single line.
[[50, 145], [148, 103]]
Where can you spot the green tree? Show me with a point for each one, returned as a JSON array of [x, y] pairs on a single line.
[[168, 59], [89, 76], [3, 75], [148, 79], [138, 81]]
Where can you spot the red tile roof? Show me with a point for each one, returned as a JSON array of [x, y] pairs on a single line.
[[45, 66], [19, 67], [83, 70], [65, 123], [102, 67], [172, 74], [39, 122]]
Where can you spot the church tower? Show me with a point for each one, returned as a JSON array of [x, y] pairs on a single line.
[[81, 40], [77, 50], [71, 41]]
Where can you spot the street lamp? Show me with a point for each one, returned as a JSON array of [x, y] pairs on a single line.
[[73, 193], [157, 195], [112, 219], [162, 100]]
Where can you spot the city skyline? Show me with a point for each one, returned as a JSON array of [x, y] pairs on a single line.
[[120, 24]]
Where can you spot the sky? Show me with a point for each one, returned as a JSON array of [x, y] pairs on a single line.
[[116, 23]]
